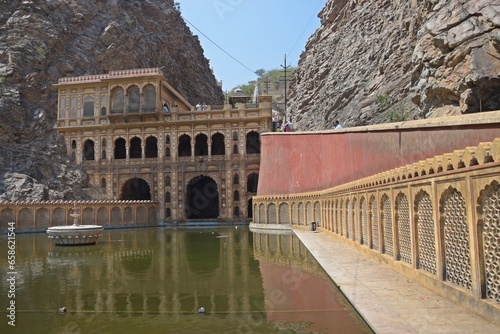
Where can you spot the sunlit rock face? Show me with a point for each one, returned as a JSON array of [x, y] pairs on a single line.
[[41, 41], [377, 61]]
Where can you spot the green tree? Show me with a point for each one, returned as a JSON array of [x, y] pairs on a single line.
[[260, 73]]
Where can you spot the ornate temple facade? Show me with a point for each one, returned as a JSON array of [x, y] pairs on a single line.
[[196, 162]]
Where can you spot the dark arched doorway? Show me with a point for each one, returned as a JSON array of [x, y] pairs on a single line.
[[136, 190], [202, 198], [252, 182], [250, 208]]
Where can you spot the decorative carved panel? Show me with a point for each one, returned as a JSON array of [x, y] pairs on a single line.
[[364, 221], [387, 225], [491, 242], [425, 234], [403, 226], [456, 240], [374, 221]]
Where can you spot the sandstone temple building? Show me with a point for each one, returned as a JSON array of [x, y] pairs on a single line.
[[196, 162]]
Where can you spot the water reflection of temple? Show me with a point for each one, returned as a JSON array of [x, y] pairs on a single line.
[[144, 271], [297, 289]]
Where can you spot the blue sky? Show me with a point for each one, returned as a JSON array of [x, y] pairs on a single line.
[[257, 33]]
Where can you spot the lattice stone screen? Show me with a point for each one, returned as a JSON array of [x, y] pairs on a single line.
[[330, 215], [262, 215], [403, 226], [284, 216], [153, 215], [102, 216], [456, 240], [491, 243], [301, 214], [116, 216], [294, 213], [349, 220], [6, 216], [309, 212], [344, 220], [357, 227], [59, 217], [317, 211], [271, 214], [364, 221], [374, 221], [142, 215], [25, 218], [338, 211], [88, 216], [425, 234], [42, 218], [387, 225]]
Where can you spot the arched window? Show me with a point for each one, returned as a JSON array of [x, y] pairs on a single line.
[[151, 147], [236, 196], [117, 100], [167, 181], [167, 152], [88, 150], [134, 99], [120, 150], [64, 106], [104, 103], [184, 149], [424, 221], [218, 146], [167, 197], [235, 149], [201, 145], [135, 148], [455, 240], [235, 135], [252, 181], [103, 183], [489, 241], [74, 113], [236, 179], [103, 155], [88, 107], [73, 144], [253, 143], [149, 98]]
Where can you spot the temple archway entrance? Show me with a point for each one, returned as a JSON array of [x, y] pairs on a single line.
[[136, 189], [202, 198]]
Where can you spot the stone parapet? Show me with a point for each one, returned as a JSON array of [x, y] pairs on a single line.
[[38, 216], [435, 221]]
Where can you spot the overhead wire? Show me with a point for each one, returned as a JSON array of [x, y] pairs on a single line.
[[227, 53], [318, 4]]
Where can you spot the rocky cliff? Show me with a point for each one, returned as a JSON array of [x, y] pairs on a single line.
[[43, 40], [374, 61]]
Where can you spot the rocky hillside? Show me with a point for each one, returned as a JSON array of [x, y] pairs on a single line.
[[43, 40], [374, 61]]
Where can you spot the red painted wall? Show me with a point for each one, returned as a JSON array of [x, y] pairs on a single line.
[[301, 161]]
